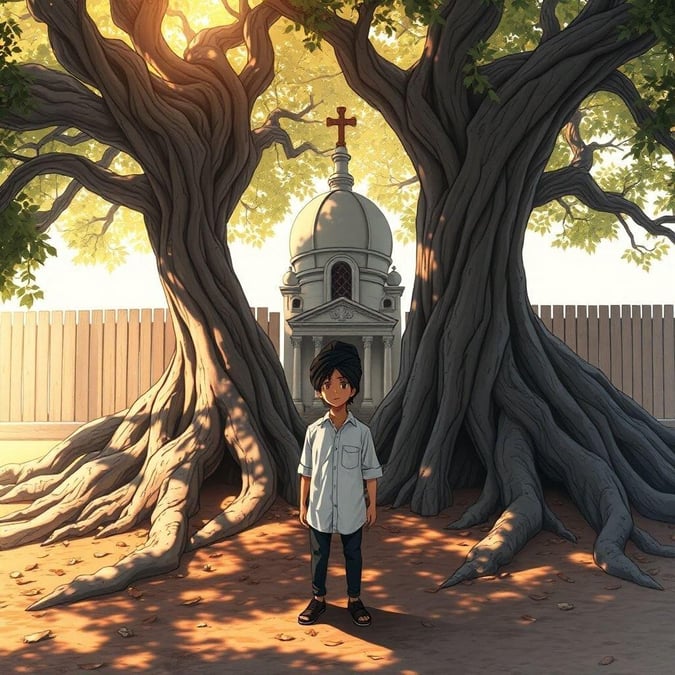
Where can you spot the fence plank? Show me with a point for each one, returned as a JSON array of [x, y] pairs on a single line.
[[145, 351], [626, 384], [559, 321], [593, 336], [615, 345], [603, 340], [582, 332], [42, 367], [69, 371], [647, 359], [274, 330], [96, 364], [157, 347], [82, 367], [108, 378], [545, 317], [658, 360], [134, 336], [669, 363], [121, 359], [169, 339], [28, 367], [16, 368], [637, 353], [5, 363], [55, 366], [571, 327]]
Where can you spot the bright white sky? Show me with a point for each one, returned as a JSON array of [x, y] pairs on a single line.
[[554, 277]]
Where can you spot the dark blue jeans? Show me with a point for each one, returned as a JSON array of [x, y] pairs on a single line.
[[319, 546]]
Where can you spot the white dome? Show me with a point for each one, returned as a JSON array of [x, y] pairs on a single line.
[[340, 219]]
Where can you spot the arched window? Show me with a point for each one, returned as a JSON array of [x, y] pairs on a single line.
[[341, 281]]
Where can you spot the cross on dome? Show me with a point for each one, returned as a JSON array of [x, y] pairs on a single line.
[[341, 123]]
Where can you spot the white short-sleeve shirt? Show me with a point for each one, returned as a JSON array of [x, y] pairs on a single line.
[[338, 461]]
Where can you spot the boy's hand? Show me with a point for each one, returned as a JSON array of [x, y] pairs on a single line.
[[371, 515], [303, 515]]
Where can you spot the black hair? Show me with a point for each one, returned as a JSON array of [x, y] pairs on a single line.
[[339, 356]]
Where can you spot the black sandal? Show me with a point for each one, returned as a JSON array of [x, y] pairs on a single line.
[[312, 612], [358, 611]]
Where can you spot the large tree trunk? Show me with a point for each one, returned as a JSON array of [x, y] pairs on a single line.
[[223, 397], [485, 393]]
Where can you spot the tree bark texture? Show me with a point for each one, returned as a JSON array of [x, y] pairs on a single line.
[[223, 397]]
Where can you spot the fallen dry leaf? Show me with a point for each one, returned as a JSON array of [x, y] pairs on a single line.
[[65, 543], [192, 601], [613, 587], [528, 618], [202, 625], [42, 555], [427, 624], [23, 582], [122, 544], [58, 571], [564, 577], [464, 533], [208, 568], [125, 632], [311, 632], [150, 619], [38, 637], [215, 554], [100, 554], [504, 575], [565, 606], [375, 657], [539, 596], [31, 567], [135, 592], [90, 666], [333, 643], [30, 592], [74, 561], [283, 637], [606, 660]]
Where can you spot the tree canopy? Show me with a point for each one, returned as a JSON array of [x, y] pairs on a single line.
[[621, 149]]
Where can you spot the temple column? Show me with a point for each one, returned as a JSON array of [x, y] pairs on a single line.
[[388, 341], [367, 368], [296, 390], [318, 343]]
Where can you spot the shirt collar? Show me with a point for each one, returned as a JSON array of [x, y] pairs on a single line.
[[350, 418]]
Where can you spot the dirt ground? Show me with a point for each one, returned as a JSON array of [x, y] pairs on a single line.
[[232, 607]]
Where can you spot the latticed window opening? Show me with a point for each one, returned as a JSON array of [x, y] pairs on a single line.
[[341, 281]]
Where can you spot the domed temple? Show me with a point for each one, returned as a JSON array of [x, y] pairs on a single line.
[[340, 286]]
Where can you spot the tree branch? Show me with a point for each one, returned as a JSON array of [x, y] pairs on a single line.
[[44, 219], [258, 72], [58, 99], [572, 181], [271, 132], [548, 21], [188, 32], [622, 86], [142, 21], [132, 191]]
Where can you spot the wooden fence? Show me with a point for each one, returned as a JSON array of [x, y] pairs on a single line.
[[75, 366]]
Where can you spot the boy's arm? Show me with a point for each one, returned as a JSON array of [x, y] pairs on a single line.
[[371, 512], [304, 498]]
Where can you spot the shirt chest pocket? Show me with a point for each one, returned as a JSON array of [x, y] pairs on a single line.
[[351, 457]]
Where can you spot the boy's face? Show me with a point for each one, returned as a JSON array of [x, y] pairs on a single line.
[[336, 390]]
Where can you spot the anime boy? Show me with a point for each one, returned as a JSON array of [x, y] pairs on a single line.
[[337, 457]]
